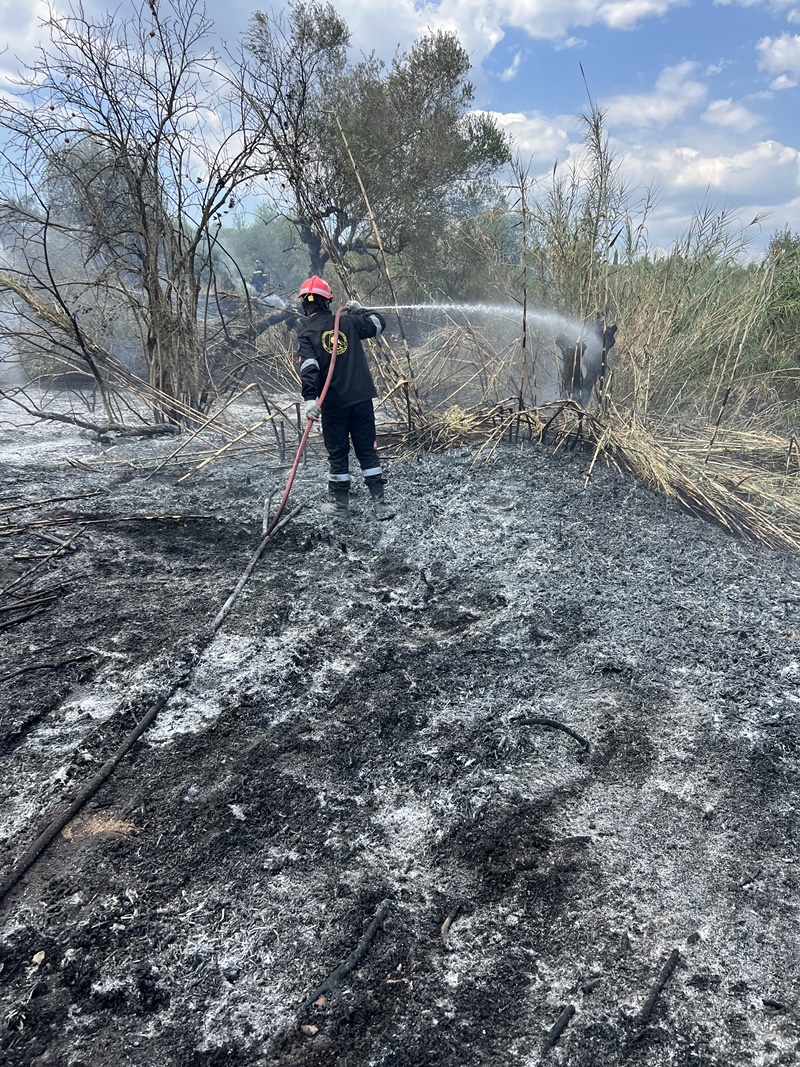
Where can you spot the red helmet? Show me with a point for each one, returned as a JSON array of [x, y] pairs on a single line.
[[316, 287]]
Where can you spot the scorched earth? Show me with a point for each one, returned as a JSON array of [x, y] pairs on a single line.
[[340, 843]]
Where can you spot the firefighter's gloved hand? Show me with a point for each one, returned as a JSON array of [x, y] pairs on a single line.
[[311, 410], [353, 305]]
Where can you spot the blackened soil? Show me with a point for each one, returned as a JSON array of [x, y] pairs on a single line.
[[351, 737]]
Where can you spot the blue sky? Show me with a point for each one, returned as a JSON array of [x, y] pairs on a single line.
[[701, 97]]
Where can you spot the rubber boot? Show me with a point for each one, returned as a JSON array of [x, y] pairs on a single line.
[[379, 506], [340, 500]]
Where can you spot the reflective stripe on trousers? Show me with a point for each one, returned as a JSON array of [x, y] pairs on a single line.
[[355, 423]]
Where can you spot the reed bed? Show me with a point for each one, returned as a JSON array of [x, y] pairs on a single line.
[[747, 481]]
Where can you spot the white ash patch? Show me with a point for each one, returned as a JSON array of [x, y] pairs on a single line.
[[231, 667]]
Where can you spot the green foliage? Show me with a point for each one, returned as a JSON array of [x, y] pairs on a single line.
[[783, 259], [422, 161], [405, 136], [475, 259]]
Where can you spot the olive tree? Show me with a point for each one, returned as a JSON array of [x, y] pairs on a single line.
[[404, 131]]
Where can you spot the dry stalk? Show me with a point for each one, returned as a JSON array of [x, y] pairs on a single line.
[[221, 451], [597, 451], [770, 515], [385, 261], [203, 425], [522, 181], [757, 302], [24, 578]]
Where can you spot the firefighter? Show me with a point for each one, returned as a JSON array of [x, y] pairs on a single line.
[[348, 413], [258, 278]]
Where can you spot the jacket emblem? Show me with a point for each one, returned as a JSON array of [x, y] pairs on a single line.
[[327, 342]]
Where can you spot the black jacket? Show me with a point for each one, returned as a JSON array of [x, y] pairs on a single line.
[[352, 382]]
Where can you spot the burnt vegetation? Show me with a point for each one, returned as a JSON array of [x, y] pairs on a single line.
[[509, 779]]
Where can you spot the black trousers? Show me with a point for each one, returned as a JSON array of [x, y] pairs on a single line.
[[340, 426]]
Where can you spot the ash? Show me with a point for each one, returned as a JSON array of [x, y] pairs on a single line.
[[351, 737]]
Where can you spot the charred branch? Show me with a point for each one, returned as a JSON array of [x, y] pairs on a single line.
[[45, 666], [333, 983], [553, 724], [101, 429], [664, 975], [559, 1027]]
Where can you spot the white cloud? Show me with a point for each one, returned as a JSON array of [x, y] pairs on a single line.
[[780, 56], [734, 116], [511, 72], [675, 92], [534, 134], [767, 169], [22, 31], [783, 81], [21, 22], [774, 5], [762, 180], [761, 177], [625, 14], [481, 26], [554, 19]]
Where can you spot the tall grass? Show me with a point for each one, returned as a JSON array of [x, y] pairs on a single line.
[[701, 325]]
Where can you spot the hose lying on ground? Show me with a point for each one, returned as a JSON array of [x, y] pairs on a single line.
[[58, 823]]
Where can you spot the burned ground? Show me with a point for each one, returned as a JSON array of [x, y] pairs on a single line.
[[351, 739]]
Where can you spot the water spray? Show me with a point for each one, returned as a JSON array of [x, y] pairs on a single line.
[[503, 310], [548, 322]]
